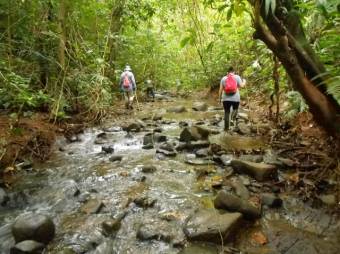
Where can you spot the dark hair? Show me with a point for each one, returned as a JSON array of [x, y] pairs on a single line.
[[231, 69]]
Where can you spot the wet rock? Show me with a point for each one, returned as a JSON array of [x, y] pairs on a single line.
[[116, 158], [194, 133], [243, 129], [145, 201], [226, 159], [183, 124], [204, 152], [102, 135], [230, 202], [260, 171], [158, 129], [29, 247], [251, 158], [271, 200], [35, 227], [151, 138], [200, 106], [167, 146], [210, 225], [329, 199], [243, 116], [73, 138], [100, 141], [148, 146], [108, 149], [149, 168], [92, 206], [166, 152], [159, 230], [177, 109], [133, 127], [111, 226], [240, 189], [3, 197]]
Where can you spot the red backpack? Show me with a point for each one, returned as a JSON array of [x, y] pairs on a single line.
[[230, 84], [126, 81]]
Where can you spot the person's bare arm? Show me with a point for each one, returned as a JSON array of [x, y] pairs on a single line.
[[220, 93]]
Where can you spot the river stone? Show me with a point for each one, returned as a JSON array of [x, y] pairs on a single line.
[[210, 225], [167, 146], [108, 149], [136, 127], [260, 171], [3, 197], [166, 152], [243, 129], [116, 158], [194, 133], [149, 168], [111, 226], [92, 206], [148, 146], [32, 226], [203, 152], [151, 138], [251, 158], [240, 189], [232, 203], [226, 159], [271, 200], [145, 201], [200, 106], [28, 247], [177, 109], [329, 199]]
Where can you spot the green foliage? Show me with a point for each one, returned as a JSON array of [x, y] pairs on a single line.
[[16, 92], [296, 104]]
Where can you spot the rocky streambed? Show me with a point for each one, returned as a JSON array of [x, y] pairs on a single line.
[[167, 180]]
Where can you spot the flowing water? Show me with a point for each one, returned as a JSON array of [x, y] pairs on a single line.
[[80, 176]]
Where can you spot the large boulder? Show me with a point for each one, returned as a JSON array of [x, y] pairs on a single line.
[[151, 138], [260, 171], [195, 133], [28, 247], [177, 109], [200, 106], [35, 227], [210, 225], [232, 203]]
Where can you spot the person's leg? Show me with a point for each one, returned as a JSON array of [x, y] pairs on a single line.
[[235, 106], [226, 106], [126, 99]]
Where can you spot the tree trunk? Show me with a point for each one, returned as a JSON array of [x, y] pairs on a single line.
[[302, 66]]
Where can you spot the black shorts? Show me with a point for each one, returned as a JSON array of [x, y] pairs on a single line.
[[228, 104]]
